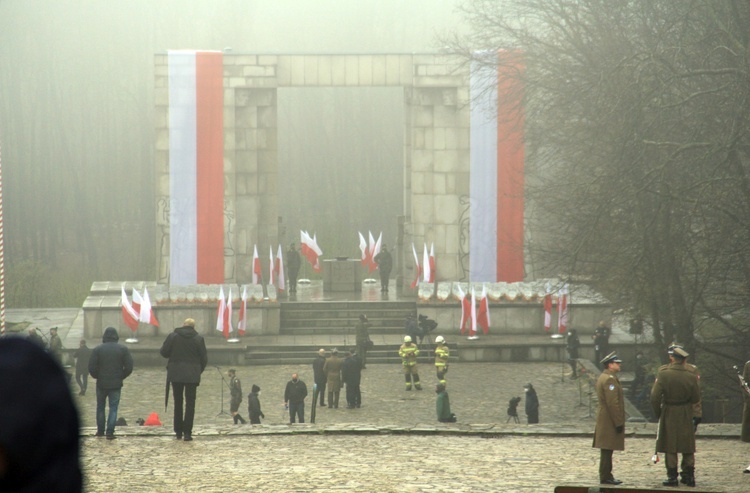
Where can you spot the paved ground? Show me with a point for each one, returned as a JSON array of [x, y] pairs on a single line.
[[392, 443]]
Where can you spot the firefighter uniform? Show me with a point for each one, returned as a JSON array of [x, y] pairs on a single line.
[[442, 353], [409, 352]]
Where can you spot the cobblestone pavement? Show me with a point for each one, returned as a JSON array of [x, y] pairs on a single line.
[[393, 443]]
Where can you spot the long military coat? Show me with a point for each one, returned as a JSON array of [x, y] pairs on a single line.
[[332, 369], [610, 412], [746, 410], [672, 398]]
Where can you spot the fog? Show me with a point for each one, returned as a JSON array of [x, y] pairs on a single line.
[[76, 125]]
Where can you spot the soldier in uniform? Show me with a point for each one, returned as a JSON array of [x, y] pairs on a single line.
[[673, 397], [363, 338], [55, 345], [409, 352], [442, 353], [332, 369], [385, 264], [609, 434], [572, 347], [235, 393], [601, 341]]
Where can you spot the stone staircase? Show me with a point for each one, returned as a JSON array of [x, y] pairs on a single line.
[[341, 317], [306, 327]]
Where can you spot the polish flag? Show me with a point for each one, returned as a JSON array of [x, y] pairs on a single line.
[[228, 316], [310, 250], [242, 323], [483, 315], [374, 250], [196, 167], [496, 169], [271, 266], [222, 308], [363, 248], [417, 269], [547, 310], [465, 311], [129, 315], [426, 270], [146, 314], [257, 274], [137, 302], [432, 263], [473, 329], [279, 270], [562, 310]]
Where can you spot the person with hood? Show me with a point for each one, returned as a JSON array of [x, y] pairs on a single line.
[[253, 406], [82, 356], [39, 431], [186, 351], [110, 364], [532, 404]]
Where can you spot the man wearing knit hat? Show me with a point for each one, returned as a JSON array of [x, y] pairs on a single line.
[[673, 396], [609, 434]]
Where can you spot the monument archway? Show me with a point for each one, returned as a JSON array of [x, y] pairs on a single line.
[[436, 157]]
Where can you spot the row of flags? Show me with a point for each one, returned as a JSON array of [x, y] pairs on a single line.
[[137, 311], [275, 268], [427, 269], [224, 313], [562, 309], [370, 251], [472, 316]]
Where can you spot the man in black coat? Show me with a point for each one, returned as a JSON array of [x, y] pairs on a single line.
[[293, 264], [186, 351], [253, 406], [82, 356], [320, 375], [294, 398], [385, 264], [532, 404], [110, 364], [572, 347], [351, 374]]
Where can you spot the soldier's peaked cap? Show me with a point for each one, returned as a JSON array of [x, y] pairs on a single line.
[[610, 358], [678, 352]]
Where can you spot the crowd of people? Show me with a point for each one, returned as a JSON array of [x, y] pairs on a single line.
[[674, 397]]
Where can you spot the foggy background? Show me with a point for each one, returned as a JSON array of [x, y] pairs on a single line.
[[76, 126]]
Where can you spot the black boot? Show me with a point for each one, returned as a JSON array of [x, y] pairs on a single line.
[[242, 420], [688, 476], [235, 418], [671, 477]]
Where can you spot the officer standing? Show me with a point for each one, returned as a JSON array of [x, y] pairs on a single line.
[[293, 264], [673, 396], [601, 341], [442, 353], [332, 369], [235, 392], [609, 434], [409, 352], [698, 406]]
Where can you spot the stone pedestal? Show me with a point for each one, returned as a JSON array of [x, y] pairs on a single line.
[[342, 275]]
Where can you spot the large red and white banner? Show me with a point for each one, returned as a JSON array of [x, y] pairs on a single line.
[[496, 170], [196, 167]]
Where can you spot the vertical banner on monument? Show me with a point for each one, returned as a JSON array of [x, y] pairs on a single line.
[[496, 169], [196, 168]]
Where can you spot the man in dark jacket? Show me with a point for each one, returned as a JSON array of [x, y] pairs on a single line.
[[110, 364], [294, 398], [186, 351], [351, 374], [293, 263], [55, 345], [82, 356], [385, 264], [532, 404], [253, 406], [320, 375]]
